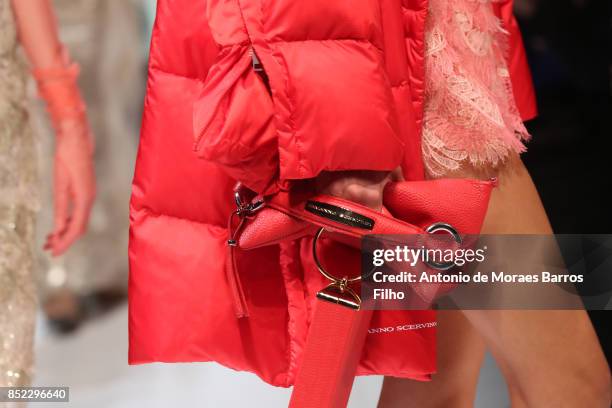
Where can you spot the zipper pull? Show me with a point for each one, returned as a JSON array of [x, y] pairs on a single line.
[[257, 67]]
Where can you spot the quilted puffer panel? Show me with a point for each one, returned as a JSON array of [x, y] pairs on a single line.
[[322, 20], [412, 165], [190, 49], [415, 14], [326, 72], [340, 102], [181, 307], [166, 165]]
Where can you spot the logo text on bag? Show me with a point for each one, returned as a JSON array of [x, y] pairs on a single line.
[[339, 214]]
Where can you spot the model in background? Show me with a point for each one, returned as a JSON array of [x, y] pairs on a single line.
[[106, 38], [34, 25]]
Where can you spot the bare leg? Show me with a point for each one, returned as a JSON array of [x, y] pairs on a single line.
[[548, 358]]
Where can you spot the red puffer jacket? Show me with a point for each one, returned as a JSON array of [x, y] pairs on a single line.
[[264, 92]]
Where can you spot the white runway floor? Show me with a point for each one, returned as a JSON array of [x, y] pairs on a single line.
[[92, 362]]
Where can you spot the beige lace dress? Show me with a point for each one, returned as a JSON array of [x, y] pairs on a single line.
[[18, 205]]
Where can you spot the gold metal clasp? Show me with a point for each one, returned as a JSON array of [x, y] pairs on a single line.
[[338, 291]]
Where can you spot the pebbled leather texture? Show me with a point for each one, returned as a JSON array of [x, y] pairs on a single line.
[[462, 203]]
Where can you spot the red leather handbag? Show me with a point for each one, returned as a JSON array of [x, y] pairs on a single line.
[[339, 326]]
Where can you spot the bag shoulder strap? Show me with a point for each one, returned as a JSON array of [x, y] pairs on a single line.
[[333, 349]]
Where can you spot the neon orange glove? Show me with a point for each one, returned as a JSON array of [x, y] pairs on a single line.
[[74, 188]]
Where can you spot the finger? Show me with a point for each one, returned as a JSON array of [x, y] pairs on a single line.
[[61, 203], [81, 193], [61, 196], [397, 174], [369, 196], [76, 226]]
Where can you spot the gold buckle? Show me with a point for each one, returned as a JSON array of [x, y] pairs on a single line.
[[339, 291]]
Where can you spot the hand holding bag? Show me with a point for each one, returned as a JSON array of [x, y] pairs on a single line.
[[338, 329]]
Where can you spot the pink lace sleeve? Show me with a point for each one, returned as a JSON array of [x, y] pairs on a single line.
[[470, 116]]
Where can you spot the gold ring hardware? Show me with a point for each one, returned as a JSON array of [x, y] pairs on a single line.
[[338, 291]]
